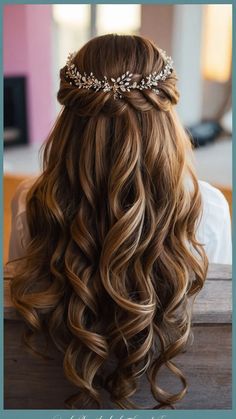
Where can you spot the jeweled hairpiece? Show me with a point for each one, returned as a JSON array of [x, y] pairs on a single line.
[[120, 84]]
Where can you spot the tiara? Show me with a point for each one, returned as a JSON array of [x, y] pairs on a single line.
[[120, 84]]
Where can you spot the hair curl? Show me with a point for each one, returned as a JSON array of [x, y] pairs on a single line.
[[113, 258]]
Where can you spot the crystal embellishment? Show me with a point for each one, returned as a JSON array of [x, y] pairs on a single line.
[[120, 84]]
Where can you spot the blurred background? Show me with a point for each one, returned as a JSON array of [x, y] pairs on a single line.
[[38, 38]]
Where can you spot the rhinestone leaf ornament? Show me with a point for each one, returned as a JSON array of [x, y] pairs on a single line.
[[120, 84]]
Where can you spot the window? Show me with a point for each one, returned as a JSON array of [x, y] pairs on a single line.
[[75, 24], [217, 47], [118, 18]]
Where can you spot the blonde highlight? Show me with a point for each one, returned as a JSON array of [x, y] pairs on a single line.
[[113, 263]]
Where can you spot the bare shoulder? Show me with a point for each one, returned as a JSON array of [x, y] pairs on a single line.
[[18, 201]]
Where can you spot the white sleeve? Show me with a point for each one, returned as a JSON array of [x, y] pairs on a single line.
[[219, 246], [215, 226]]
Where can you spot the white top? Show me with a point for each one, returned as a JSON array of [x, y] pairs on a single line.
[[214, 229]]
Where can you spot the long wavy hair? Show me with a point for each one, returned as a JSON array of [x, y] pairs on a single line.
[[113, 261]]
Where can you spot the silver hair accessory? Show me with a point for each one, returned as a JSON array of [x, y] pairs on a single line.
[[119, 85]]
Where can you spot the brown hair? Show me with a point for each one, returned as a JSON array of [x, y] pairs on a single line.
[[113, 258]]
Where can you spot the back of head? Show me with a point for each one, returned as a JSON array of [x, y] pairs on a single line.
[[112, 56], [113, 257]]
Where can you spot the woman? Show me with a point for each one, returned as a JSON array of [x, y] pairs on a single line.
[[114, 237]]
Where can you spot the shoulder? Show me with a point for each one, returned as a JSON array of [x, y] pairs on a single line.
[[19, 236], [214, 228], [213, 199], [215, 208], [18, 202]]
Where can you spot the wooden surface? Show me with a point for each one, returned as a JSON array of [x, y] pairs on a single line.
[[32, 383], [212, 305]]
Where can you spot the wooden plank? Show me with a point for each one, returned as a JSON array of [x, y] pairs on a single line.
[[32, 383], [212, 305], [219, 271], [214, 302]]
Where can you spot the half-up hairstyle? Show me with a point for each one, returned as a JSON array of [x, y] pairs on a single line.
[[113, 261]]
